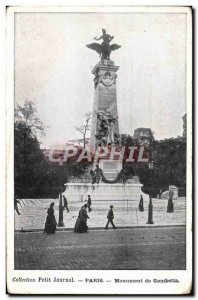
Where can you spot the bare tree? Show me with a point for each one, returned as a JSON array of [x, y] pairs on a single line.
[[84, 128]]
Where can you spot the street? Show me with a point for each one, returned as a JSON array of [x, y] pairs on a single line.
[[160, 248]]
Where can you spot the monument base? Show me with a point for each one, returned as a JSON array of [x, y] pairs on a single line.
[[103, 191]]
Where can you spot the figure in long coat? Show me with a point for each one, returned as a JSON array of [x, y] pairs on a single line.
[[81, 222], [50, 224], [141, 204]]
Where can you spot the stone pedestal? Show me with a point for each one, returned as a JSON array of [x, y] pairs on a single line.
[[110, 168], [103, 191], [105, 97]]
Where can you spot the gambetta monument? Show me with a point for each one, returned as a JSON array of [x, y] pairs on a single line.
[[104, 129], [105, 178]]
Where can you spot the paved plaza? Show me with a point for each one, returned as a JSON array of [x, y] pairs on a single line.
[[34, 211], [121, 249], [135, 245]]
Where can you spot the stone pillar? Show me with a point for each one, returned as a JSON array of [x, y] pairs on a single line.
[[105, 98]]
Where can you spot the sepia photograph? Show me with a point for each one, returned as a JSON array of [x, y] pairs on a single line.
[[99, 150]]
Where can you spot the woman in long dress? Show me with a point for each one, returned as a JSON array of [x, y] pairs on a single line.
[[81, 222], [50, 224]]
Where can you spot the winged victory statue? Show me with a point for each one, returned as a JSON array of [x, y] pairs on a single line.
[[104, 49]]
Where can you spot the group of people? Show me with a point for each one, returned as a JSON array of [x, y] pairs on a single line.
[[106, 133], [96, 175], [81, 222]]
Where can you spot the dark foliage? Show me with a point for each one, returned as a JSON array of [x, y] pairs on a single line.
[[34, 176], [169, 167], [126, 140], [169, 157]]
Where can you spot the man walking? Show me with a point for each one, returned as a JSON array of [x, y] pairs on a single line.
[[110, 218], [89, 203], [16, 202], [65, 203]]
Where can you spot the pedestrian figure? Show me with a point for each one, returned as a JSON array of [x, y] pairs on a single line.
[[93, 176], [50, 224], [65, 203], [16, 202], [141, 204], [110, 218], [170, 206], [98, 172], [89, 203], [81, 222]]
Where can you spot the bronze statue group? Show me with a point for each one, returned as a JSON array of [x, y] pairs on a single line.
[[81, 221], [106, 132]]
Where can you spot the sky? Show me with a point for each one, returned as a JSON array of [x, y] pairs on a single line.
[[53, 68]]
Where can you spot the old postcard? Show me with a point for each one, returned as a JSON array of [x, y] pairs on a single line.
[[99, 150]]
